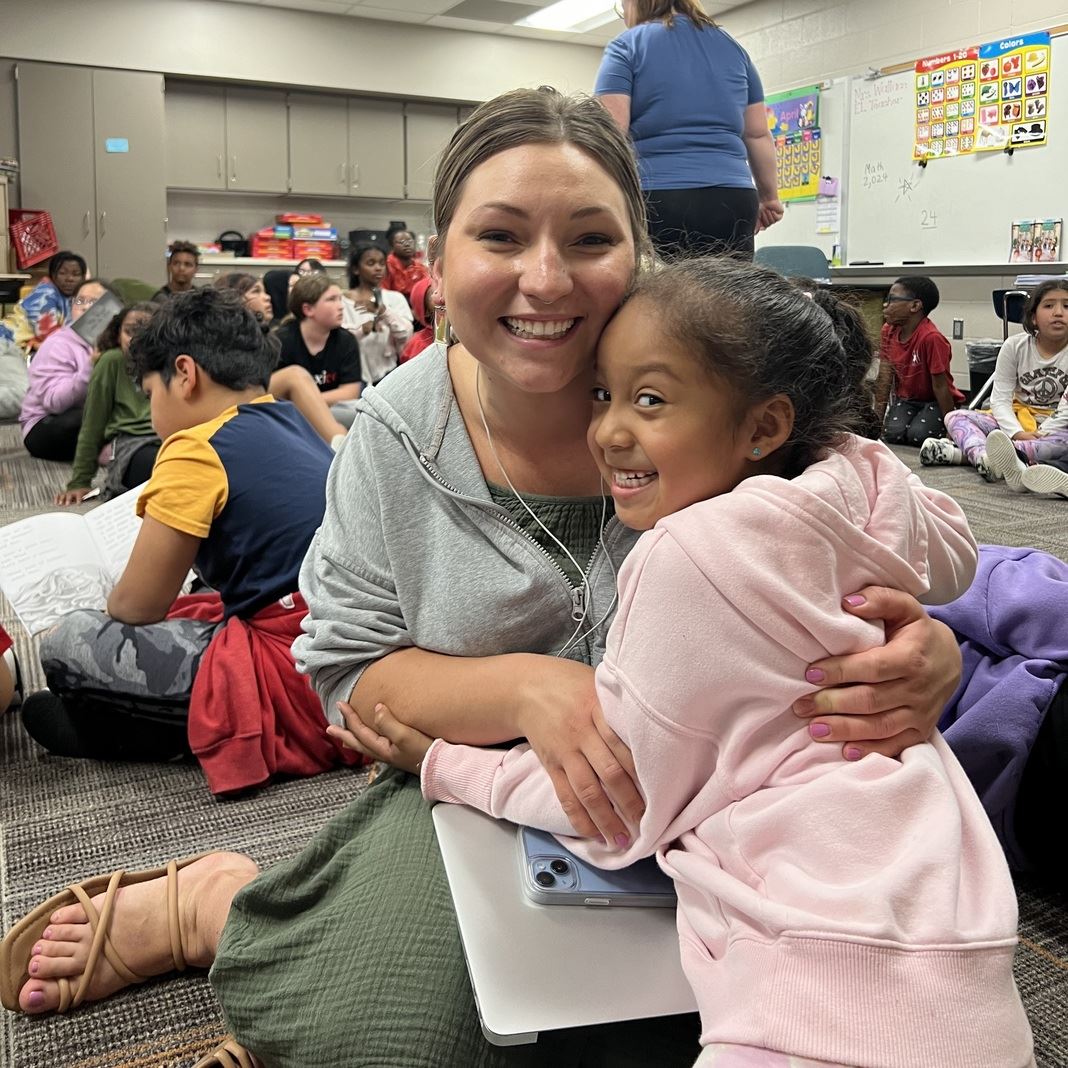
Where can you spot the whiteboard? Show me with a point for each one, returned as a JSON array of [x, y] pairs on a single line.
[[798, 225], [953, 211]]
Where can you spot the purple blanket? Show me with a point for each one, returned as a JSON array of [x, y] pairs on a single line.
[[1011, 628]]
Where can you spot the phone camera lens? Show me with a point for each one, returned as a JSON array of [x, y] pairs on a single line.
[[560, 867], [545, 878]]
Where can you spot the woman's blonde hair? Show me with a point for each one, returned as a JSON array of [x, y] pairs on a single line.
[[538, 117], [666, 10]]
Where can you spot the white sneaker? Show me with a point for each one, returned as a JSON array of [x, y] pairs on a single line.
[[1044, 478], [982, 465], [1004, 461], [939, 452]]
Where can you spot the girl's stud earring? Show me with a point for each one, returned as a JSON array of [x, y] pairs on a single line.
[[756, 452]]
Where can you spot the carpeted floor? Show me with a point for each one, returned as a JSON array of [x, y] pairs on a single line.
[[63, 820]]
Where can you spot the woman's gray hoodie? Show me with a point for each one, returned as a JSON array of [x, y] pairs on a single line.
[[413, 552]]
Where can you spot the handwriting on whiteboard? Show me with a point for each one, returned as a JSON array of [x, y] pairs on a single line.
[[874, 175], [879, 95]]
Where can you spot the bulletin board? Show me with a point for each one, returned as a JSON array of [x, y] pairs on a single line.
[[798, 226], [954, 210]]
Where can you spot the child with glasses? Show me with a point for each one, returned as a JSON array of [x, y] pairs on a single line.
[[914, 360], [51, 414]]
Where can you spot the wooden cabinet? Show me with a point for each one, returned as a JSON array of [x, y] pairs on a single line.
[[131, 203], [346, 146], [319, 144], [226, 138], [195, 118], [376, 148], [55, 108], [316, 144], [256, 141], [427, 130], [92, 155]]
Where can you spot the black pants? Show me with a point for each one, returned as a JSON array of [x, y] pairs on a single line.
[[912, 422], [1041, 818], [55, 437], [139, 468], [700, 222]]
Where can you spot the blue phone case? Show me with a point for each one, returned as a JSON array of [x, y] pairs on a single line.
[[554, 876]]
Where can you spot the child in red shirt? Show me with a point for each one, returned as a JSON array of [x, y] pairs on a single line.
[[914, 361], [403, 268]]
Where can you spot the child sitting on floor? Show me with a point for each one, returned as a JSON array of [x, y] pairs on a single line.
[[813, 892], [237, 491], [1030, 377], [914, 358], [116, 414]]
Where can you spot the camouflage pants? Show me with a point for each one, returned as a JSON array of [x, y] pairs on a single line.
[[147, 670]]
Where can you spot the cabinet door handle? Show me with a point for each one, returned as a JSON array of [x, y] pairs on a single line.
[[103, 221], [233, 168], [341, 174], [85, 225], [218, 166], [355, 176]]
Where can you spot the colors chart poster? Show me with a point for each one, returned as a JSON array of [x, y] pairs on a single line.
[[982, 99], [1013, 92], [793, 119]]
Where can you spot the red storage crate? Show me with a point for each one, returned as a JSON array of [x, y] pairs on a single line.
[[33, 236]]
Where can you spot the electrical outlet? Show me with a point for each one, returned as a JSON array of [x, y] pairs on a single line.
[[958, 329]]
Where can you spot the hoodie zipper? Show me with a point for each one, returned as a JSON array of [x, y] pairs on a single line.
[[578, 593]]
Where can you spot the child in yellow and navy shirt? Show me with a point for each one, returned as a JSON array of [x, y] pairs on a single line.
[[237, 491]]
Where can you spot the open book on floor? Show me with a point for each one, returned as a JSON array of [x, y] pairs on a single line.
[[55, 563]]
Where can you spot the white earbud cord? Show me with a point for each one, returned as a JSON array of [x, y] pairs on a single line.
[[584, 583]]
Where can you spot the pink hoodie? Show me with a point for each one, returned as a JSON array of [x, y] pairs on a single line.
[[859, 913]]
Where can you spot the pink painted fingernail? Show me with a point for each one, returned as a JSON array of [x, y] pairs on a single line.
[[36, 998], [47, 933], [819, 730], [622, 841], [33, 967], [854, 600], [853, 753], [36, 951], [814, 675]]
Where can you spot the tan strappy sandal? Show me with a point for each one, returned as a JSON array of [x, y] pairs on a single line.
[[17, 946], [231, 1054]]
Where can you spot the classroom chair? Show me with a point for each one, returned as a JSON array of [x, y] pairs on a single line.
[[795, 261], [1009, 307]]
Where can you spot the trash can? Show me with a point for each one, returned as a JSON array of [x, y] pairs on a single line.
[[982, 356]]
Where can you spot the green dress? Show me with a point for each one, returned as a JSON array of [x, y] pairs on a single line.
[[348, 956]]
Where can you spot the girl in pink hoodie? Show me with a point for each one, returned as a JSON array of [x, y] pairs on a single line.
[[830, 912]]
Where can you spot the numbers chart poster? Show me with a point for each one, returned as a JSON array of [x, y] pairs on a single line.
[[1013, 92], [793, 119], [946, 102]]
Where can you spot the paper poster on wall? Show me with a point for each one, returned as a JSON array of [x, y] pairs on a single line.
[[793, 119], [1013, 92], [945, 94]]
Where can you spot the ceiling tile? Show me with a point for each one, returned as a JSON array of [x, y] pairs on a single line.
[[422, 7], [471, 25], [499, 11], [393, 15]]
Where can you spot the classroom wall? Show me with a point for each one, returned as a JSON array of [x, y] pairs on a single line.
[[242, 42], [799, 42], [796, 42]]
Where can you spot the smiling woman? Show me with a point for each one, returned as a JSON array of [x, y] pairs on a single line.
[[430, 589]]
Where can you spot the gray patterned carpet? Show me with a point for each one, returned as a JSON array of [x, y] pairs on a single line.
[[63, 819]]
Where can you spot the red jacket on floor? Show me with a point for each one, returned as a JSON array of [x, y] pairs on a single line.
[[251, 714]]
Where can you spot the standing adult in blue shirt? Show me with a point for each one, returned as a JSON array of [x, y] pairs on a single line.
[[693, 104]]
